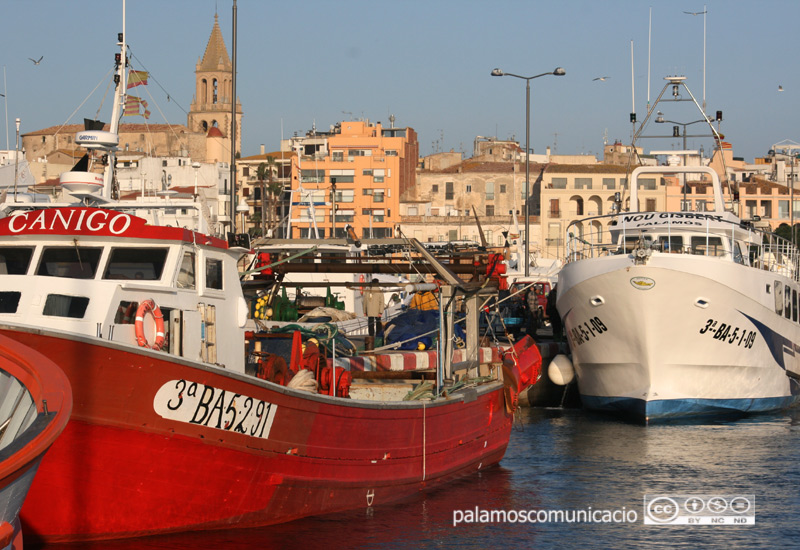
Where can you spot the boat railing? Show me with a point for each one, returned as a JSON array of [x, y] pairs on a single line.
[[756, 248]]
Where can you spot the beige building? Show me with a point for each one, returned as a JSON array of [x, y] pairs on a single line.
[[445, 202]]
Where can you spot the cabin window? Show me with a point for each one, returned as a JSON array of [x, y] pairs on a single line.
[[15, 260], [70, 261], [126, 313], [186, 277], [707, 246], [144, 264], [61, 305], [778, 297], [672, 243], [9, 301], [738, 257], [214, 274], [787, 310]]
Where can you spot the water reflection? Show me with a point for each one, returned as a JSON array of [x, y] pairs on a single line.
[[569, 460]]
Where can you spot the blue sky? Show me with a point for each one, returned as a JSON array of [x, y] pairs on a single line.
[[426, 62]]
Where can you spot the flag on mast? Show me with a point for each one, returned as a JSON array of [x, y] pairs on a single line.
[[132, 104], [137, 78]]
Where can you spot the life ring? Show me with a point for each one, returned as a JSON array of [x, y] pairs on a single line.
[[149, 306], [361, 280]]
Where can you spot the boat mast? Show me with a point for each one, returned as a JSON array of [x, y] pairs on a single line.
[[233, 129], [120, 80]]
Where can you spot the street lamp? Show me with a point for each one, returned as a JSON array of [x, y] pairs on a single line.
[[559, 71]]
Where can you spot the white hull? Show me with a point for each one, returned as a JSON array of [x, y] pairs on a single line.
[[648, 339]]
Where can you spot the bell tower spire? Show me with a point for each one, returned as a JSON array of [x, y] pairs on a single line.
[[211, 106]]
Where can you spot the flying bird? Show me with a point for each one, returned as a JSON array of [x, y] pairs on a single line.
[[600, 78], [695, 12], [780, 88], [36, 61]]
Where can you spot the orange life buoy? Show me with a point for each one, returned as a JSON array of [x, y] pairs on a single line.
[[149, 306], [361, 280]]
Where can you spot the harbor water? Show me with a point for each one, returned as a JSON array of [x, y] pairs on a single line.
[[568, 460]]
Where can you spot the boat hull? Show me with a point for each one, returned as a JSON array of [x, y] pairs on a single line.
[[158, 444], [35, 404], [680, 336]]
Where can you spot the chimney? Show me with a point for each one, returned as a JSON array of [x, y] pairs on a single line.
[[262, 149]]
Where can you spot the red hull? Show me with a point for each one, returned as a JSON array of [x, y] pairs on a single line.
[[50, 399], [122, 469]]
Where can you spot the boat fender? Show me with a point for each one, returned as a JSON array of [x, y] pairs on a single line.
[[560, 370], [149, 306]]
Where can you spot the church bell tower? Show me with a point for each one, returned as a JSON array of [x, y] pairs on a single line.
[[211, 106]]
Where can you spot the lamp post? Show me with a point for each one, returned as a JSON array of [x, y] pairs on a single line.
[[559, 71]]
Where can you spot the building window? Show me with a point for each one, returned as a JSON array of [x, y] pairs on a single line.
[[559, 183], [377, 196], [337, 156], [502, 187], [366, 172], [342, 176], [686, 205], [489, 190], [608, 183], [783, 210], [312, 176], [701, 205], [555, 209], [435, 188], [448, 191], [390, 153], [650, 205], [490, 210], [469, 188], [583, 183], [647, 183], [345, 195]]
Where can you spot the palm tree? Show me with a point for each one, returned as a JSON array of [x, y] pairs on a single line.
[[263, 171]]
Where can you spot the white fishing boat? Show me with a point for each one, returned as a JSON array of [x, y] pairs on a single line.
[[676, 314]]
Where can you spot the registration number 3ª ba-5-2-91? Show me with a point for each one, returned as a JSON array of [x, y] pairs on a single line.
[[201, 404]]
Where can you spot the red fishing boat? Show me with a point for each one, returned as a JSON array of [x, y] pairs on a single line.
[[35, 404], [177, 424], [187, 414]]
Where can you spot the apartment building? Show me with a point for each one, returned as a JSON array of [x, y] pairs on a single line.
[[352, 175], [572, 193], [444, 204]]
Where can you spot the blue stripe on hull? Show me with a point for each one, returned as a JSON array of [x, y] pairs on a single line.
[[666, 409]]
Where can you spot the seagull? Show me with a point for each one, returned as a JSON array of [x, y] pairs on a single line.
[[695, 12], [603, 78], [780, 88], [36, 61]]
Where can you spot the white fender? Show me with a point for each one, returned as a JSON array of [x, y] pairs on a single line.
[[560, 370]]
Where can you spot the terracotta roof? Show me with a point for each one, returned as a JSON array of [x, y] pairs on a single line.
[[275, 154], [123, 128], [214, 132], [586, 169], [216, 54]]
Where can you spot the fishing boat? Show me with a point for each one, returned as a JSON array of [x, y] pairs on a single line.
[[35, 405], [188, 415], [680, 314]]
